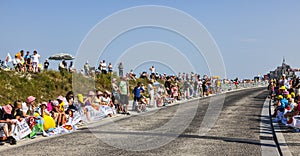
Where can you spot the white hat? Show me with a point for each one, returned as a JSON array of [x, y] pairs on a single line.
[[283, 75], [55, 103]]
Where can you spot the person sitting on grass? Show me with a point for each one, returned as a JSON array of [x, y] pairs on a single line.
[[89, 101], [98, 97], [17, 111], [28, 107], [61, 118], [295, 111], [106, 104], [280, 106], [5, 123]]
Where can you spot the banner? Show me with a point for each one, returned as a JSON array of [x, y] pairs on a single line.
[[107, 110], [75, 119], [21, 129], [62, 129], [93, 114]]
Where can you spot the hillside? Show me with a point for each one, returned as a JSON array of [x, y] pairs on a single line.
[[49, 85]]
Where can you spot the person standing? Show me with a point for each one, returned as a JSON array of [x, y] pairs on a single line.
[[103, 65], [110, 68], [151, 93], [124, 94], [35, 61], [168, 86], [115, 95], [46, 65], [152, 70], [27, 55], [86, 68], [62, 66], [121, 69], [137, 95], [71, 68]]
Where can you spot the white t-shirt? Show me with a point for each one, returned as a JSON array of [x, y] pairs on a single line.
[[152, 70], [24, 107], [35, 58], [150, 89], [103, 65], [106, 100]]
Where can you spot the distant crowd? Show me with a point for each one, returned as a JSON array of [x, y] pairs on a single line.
[[26, 62], [285, 93]]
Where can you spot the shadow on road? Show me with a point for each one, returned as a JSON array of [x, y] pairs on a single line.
[[226, 139]]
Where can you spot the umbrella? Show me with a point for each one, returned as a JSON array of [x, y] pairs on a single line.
[[61, 56]]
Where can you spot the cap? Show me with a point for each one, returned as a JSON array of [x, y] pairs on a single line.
[[30, 99], [280, 97]]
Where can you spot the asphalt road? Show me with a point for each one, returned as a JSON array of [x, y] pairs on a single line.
[[169, 131]]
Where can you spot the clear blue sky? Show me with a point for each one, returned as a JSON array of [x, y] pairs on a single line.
[[253, 36]]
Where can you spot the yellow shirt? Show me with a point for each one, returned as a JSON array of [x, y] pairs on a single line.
[[62, 106]]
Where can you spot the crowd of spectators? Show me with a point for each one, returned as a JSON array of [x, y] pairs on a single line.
[[151, 90], [285, 93]]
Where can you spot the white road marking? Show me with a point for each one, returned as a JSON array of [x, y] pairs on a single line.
[[281, 140], [268, 146]]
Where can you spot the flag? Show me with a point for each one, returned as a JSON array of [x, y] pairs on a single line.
[[8, 58]]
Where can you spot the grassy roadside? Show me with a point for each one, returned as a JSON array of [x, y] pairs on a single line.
[[50, 84]]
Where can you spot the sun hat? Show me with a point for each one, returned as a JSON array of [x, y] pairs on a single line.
[[282, 88], [7, 109], [30, 99], [80, 98], [91, 93], [99, 93], [55, 103], [61, 98], [107, 92], [286, 92]]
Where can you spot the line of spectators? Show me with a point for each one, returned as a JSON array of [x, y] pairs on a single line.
[[285, 93], [54, 113]]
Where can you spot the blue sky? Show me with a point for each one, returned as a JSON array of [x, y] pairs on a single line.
[[252, 36]]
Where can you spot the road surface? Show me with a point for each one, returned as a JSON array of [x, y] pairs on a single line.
[[236, 132]]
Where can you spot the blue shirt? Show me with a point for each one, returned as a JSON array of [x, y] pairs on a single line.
[[137, 91], [284, 103]]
